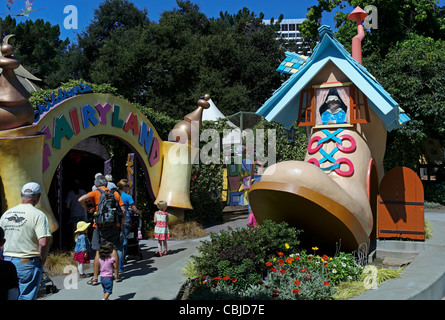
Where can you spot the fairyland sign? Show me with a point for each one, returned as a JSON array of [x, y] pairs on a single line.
[[62, 95], [68, 122]]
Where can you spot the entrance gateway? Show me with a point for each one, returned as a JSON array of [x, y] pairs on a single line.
[[33, 153], [76, 119]]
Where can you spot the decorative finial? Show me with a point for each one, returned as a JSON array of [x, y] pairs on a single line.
[[192, 119], [15, 110]]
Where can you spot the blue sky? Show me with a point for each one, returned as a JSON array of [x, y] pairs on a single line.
[[53, 10]]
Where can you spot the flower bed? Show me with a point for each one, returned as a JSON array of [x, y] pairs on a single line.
[[237, 265]]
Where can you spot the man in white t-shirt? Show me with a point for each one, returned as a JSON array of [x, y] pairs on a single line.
[[27, 235]]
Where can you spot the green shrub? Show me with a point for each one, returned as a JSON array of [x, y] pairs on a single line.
[[435, 192], [242, 253]]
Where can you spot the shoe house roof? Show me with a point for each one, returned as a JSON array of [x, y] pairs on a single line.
[[283, 106]]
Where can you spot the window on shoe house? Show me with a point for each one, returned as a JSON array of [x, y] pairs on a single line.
[[333, 104]]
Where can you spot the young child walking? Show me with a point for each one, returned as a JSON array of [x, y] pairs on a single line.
[[107, 265], [83, 247], [161, 233]]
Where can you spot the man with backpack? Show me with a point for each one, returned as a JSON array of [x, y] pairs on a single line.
[[108, 220]]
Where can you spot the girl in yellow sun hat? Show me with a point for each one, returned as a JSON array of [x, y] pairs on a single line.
[[83, 247]]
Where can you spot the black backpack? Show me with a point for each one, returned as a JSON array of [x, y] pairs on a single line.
[[109, 212]]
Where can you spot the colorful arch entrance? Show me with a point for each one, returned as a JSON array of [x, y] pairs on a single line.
[[98, 114], [33, 153]]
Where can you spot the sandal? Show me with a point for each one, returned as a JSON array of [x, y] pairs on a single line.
[[158, 254], [165, 253], [118, 279], [93, 282]]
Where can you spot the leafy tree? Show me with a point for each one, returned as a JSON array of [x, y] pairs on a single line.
[[412, 72], [111, 16], [396, 21], [167, 65], [41, 57]]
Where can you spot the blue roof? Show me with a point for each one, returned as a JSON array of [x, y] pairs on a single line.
[[283, 105], [292, 63]]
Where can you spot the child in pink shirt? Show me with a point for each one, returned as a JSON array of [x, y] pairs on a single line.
[[107, 265]]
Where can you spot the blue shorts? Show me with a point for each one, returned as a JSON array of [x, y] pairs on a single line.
[[107, 284]]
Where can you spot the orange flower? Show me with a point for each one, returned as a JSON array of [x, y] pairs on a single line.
[[310, 258], [217, 278], [280, 253], [234, 280], [268, 263], [289, 260], [280, 262], [226, 278], [295, 291], [297, 282], [325, 258], [303, 270], [326, 283], [273, 269], [297, 258], [282, 271]]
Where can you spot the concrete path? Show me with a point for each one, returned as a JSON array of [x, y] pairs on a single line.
[[150, 278], [160, 278]]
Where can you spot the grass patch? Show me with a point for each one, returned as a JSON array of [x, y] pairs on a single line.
[[428, 230], [187, 230], [182, 230], [350, 289], [57, 261], [190, 270]]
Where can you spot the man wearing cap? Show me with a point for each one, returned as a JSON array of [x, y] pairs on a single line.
[[27, 235]]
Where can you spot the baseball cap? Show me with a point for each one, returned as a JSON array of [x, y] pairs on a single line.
[[31, 188]]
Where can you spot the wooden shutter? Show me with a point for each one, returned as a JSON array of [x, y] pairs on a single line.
[[359, 112], [306, 115]]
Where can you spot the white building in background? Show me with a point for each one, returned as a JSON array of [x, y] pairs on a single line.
[[289, 32]]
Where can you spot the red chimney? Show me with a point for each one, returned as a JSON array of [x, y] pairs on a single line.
[[358, 15]]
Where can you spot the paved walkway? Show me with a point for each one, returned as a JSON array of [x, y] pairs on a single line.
[[160, 278], [424, 277], [151, 278]]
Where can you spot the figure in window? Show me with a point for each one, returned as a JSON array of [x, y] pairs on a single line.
[[333, 110]]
